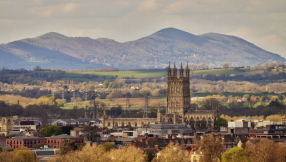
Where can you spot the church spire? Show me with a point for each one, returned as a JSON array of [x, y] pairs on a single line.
[[174, 71], [181, 71], [169, 71], [187, 71]]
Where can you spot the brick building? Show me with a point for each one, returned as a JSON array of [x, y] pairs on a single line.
[[55, 141], [24, 141]]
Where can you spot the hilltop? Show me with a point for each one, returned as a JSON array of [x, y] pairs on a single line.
[[54, 50]]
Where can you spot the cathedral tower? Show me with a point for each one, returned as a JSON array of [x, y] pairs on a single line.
[[178, 92]]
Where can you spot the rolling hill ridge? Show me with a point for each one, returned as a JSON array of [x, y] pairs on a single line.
[[54, 50]]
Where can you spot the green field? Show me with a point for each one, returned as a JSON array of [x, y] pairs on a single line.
[[137, 75], [228, 94], [230, 71]]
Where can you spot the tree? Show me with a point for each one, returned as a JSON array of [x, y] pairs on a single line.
[[150, 156], [90, 133], [105, 84], [107, 146], [44, 100], [221, 122], [281, 97], [60, 102], [274, 98], [193, 67], [264, 150], [172, 153], [44, 118], [212, 148], [37, 68], [236, 154], [210, 103], [23, 155], [67, 145], [225, 65], [52, 130], [258, 65]]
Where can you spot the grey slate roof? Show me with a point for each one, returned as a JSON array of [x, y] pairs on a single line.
[[74, 120], [45, 153], [27, 137], [2, 144], [62, 136], [15, 133], [6, 147]]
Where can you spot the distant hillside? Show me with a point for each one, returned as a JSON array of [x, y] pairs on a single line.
[[53, 50]]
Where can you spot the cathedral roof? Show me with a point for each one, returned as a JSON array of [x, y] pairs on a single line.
[[200, 112]]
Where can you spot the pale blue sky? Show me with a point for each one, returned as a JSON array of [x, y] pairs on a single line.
[[261, 22]]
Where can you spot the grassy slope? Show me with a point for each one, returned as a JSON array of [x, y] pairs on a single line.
[[140, 74], [228, 94], [136, 103]]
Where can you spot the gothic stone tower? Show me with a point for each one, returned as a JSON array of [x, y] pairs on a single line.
[[7, 125], [178, 92]]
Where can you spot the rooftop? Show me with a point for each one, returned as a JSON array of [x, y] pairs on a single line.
[[63, 136], [27, 137]]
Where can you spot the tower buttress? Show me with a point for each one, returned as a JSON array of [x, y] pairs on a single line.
[[169, 71], [181, 71], [187, 72], [174, 71]]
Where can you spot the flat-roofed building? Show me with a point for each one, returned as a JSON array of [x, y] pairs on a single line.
[[239, 127], [163, 129]]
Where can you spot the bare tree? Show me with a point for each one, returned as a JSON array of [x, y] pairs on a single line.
[[225, 65], [258, 65], [193, 66]]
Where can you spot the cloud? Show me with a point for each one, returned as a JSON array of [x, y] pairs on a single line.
[[148, 5], [56, 10], [69, 7], [271, 39]]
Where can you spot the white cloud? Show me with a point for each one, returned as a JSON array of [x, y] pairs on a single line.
[[69, 7], [148, 5]]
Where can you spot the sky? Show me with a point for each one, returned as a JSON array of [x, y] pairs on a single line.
[[261, 22]]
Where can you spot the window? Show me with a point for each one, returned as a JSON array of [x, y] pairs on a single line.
[[108, 123], [48, 141], [51, 141]]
